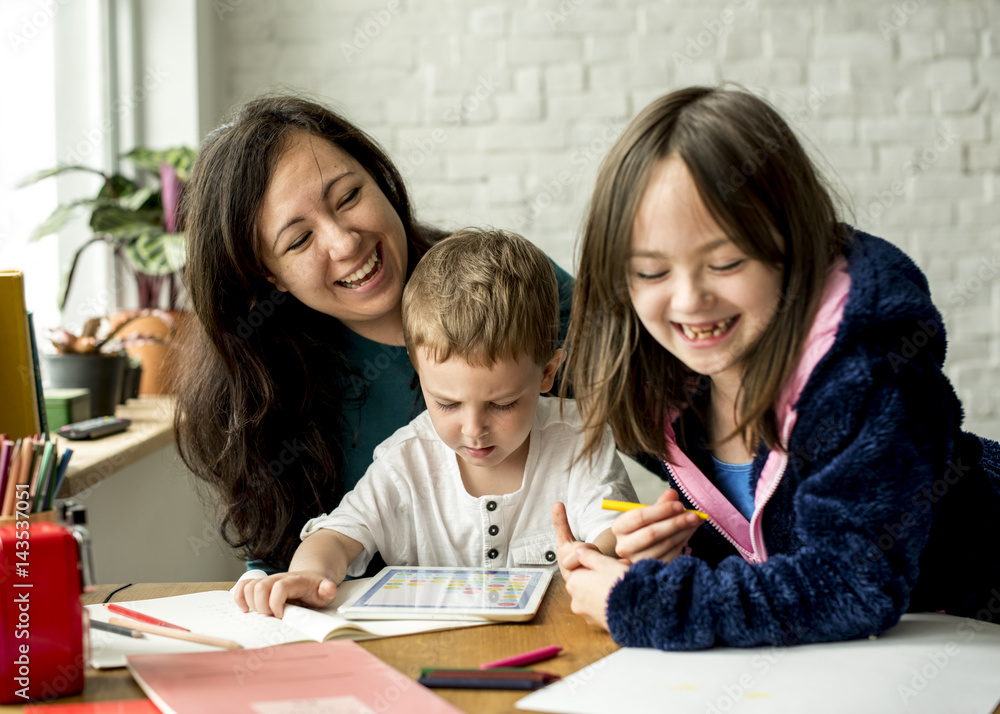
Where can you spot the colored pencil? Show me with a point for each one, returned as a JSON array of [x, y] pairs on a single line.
[[525, 658], [58, 478], [609, 505], [43, 478], [142, 617], [176, 634], [6, 452], [485, 679], [7, 497], [116, 629]]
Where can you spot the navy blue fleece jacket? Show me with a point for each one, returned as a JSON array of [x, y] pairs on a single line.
[[884, 505]]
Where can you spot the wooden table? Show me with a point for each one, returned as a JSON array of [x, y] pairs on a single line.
[[554, 624]]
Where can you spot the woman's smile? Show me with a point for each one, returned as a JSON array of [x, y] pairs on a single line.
[[366, 273]]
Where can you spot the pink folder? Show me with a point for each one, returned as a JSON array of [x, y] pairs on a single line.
[[315, 676]]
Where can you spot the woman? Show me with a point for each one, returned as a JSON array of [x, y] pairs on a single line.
[[300, 238]]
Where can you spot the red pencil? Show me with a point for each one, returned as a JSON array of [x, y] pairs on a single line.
[[142, 618]]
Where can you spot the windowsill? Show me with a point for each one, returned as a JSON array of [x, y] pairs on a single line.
[[152, 429]]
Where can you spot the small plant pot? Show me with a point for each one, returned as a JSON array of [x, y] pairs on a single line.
[[101, 374], [130, 386]]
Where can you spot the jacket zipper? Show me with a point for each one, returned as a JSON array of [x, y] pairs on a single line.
[[680, 486], [758, 544]]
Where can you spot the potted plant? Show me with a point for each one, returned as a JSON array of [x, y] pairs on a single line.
[[95, 359], [139, 222]]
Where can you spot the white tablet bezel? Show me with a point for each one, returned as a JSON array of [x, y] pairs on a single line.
[[521, 614]]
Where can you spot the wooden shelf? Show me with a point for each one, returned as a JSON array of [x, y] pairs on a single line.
[[152, 429]]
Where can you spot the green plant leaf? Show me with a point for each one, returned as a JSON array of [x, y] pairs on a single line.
[[117, 186], [58, 218], [62, 168], [140, 198], [156, 253], [147, 159], [180, 157], [118, 221]]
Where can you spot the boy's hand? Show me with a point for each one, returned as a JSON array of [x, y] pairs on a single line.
[[269, 595], [566, 543], [660, 530]]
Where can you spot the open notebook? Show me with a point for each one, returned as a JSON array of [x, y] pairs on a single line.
[[215, 613]]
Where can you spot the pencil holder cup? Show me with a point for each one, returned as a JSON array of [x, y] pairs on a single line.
[[44, 566], [50, 516]]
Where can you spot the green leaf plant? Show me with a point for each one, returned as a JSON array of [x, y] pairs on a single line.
[[138, 222]]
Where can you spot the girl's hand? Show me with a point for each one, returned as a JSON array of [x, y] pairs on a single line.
[[660, 530], [269, 595], [589, 585], [566, 543]]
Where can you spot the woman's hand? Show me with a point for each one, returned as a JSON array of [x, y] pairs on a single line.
[[660, 530], [566, 543], [589, 585], [269, 595]]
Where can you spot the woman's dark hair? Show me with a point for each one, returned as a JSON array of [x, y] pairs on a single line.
[[260, 379], [760, 186]]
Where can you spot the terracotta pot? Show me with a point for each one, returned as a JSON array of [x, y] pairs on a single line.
[[153, 356], [147, 338]]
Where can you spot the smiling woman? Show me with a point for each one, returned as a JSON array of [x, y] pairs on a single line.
[[330, 237], [300, 240]]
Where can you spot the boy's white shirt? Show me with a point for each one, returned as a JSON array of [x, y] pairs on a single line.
[[412, 507]]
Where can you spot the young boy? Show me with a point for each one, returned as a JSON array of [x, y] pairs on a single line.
[[472, 481]]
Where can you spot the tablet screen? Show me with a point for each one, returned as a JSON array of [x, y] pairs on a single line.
[[422, 588]]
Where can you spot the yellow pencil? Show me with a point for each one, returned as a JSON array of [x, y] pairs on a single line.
[[608, 505], [175, 633]]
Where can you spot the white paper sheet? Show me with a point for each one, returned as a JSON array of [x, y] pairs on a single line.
[[928, 663]]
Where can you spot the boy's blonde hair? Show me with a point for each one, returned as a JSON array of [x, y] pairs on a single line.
[[483, 295]]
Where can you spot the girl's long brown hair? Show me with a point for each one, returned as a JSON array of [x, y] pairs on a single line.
[[260, 378], [759, 185]]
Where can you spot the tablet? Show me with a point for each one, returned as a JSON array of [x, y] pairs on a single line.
[[429, 593]]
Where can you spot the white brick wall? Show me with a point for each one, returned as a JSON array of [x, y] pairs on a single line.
[[500, 112]]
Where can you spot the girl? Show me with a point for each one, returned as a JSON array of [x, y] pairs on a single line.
[[300, 238], [727, 324]]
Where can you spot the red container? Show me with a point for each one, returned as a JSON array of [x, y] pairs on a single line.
[[41, 616]]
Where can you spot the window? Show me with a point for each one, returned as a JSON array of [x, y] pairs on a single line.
[[53, 84]]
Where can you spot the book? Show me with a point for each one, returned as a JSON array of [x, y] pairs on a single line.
[[304, 678], [19, 414], [215, 613], [43, 420]]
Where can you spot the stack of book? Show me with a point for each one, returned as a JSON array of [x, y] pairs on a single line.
[[22, 403], [31, 467]]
